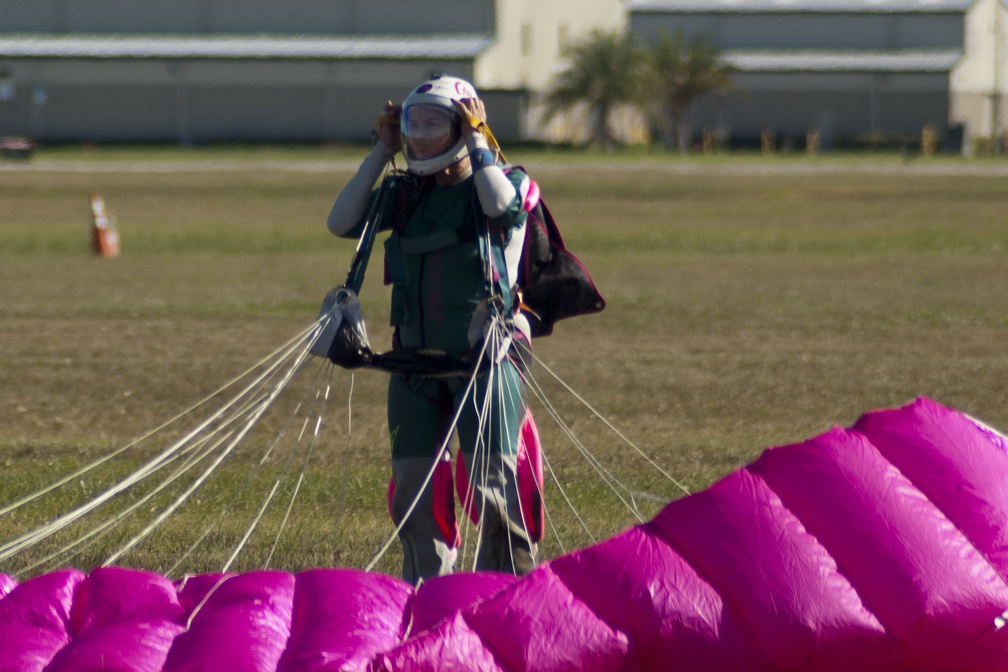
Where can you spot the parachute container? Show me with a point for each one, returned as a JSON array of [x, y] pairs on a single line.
[[883, 546]]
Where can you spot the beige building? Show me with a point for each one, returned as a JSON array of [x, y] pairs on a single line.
[[979, 82]]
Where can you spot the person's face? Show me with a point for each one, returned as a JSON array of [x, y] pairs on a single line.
[[428, 130]]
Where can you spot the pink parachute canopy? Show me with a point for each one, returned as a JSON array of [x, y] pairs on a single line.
[[879, 547]]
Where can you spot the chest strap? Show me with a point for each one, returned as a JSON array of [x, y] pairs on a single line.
[[429, 242]]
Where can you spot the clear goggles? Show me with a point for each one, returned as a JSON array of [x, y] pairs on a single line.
[[427, 122]]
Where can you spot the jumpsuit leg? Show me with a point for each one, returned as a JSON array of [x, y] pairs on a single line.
[[491, 457], [425, 552], [417, 426]]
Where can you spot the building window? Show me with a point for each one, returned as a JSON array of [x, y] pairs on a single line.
[[563, 39], [526, 39]]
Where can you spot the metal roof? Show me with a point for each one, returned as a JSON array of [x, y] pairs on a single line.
[[242, 46], [843, 61], [782, 6]]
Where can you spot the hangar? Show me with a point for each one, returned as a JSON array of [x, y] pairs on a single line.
[[197, 71], [847, 68]]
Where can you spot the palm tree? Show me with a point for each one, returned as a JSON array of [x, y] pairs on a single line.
[[603, 73], [681, 71]]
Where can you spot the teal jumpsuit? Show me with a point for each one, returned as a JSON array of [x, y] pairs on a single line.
[[435, 264]]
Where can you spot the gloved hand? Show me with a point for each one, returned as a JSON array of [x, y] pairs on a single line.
[[487, 325], [386, 128]]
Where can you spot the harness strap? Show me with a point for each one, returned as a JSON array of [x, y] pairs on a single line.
[[355, 276], [496, 283]]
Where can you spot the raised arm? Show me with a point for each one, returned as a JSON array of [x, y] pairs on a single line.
[[349, 207], [497, 194]]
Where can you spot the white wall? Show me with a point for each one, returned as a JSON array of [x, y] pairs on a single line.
[[979, 83], [531, 38], [530, 45]]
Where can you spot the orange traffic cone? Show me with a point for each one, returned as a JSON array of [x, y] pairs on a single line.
[[104, 238]]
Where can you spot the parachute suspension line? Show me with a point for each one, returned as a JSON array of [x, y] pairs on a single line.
[[220, 516], [102, 529], [612, 427], [251, 409], [541, 487], [280, 435], [199, 540], [251, 528], [479, 471], [537, 391], [442, 450], [283, 523], [430, 475], [223, 512], [96, 533], [253, 418], [315, 330], [206, 598], [354, 279], [618, 489], [322, 388], [344, 478], [166, 456], [135, 442], [509, 397], [553, 476], [321, 404], [316, 409], [510, 482], [570, 505], [626, 496], [321, 391]]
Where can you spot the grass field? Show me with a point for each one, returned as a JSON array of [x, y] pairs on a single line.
[[751, 302]]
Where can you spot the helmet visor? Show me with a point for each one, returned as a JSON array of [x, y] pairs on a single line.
[[429, 131], [428, 122]]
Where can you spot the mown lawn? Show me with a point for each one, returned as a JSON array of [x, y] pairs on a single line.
[[751, 302]]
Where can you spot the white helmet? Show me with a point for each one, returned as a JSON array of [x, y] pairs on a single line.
[[429, 119]]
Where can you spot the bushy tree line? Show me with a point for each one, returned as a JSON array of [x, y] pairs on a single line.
[[661, 79]]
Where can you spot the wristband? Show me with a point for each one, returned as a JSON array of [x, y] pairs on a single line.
[[475, 123], [481, 158], [476, 142]]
